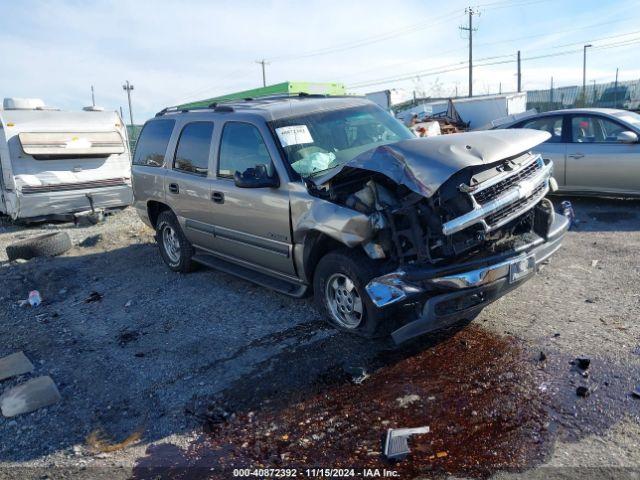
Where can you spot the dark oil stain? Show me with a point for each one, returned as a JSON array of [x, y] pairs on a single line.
[[612, 216], [478, 392]]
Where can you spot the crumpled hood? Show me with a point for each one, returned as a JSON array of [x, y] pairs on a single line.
[[424, 164]]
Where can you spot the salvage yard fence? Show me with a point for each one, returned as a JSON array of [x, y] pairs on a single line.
[[624, 95]]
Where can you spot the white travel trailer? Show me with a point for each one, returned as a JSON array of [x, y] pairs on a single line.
[[56, 164]]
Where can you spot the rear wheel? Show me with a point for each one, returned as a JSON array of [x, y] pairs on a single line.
[[339, 288], [175, 249]]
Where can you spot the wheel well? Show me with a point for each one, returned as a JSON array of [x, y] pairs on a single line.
[[154, 209], [317, 245]]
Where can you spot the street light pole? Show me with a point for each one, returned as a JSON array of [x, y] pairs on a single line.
[[128, 87], [584, 71]]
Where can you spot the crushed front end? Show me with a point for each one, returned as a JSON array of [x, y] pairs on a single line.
[[451, 246]]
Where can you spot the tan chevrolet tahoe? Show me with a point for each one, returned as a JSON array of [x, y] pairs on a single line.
[[332, 195]]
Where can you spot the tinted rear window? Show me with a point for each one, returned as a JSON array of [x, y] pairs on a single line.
[[152, 143], [192, 154]]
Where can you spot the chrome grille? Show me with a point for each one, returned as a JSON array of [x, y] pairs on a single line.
[[499, 216], [490, 193], [504, 198]]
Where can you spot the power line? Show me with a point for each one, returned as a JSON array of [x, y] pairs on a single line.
[[437, 70]]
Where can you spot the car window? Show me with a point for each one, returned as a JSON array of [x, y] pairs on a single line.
[[152, 143], [242, 147], [317, 141], [553, 125], [194, 144], [594, 129]]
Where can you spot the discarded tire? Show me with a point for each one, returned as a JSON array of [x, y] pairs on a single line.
[[47, 245]]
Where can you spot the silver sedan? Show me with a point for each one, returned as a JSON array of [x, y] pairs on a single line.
[[595, 151]]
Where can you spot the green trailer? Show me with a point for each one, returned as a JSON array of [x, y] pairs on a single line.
[[284, 88]]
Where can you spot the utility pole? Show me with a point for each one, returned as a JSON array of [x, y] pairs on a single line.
[[128, 87], [263, 62], [551, 92], [519, 74], [471, 12], [93, 97], [615, 91], [584, 72]]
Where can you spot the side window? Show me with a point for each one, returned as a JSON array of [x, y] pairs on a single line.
[[242, 147], [592, 129], [194, 145], [553, 125], [152, 143]]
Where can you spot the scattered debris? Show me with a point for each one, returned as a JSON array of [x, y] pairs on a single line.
[[128, 336], [34, 298], [88, 219], [407, 400], [358, 374], [582, 391], [542, 357], [14, 364], [29, 396], [441, 454], [582, 363], [396, 445], [97, 442], [636, 392], [594, 263], [93, 297], [128, 304]]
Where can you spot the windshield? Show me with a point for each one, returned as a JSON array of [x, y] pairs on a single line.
[[631, 118], [319, 141]]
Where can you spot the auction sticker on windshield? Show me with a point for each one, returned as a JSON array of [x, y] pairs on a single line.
[[294, 135]]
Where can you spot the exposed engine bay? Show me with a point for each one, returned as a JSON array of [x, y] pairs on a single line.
[[481, 209]]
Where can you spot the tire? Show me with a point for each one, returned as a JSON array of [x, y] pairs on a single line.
[[175, 249], [336, 298], [47, 245]]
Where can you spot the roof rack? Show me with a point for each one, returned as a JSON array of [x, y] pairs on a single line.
[[225, 105]]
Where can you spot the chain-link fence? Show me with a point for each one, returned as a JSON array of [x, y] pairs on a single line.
[[133, 131], [624, 95]]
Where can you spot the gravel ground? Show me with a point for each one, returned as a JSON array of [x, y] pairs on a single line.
[[181, 359]]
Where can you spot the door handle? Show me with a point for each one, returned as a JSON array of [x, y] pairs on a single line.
[[173, 188], [217, 197], [576, 155]]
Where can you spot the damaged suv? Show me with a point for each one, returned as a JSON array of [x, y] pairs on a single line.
[[391, 233]]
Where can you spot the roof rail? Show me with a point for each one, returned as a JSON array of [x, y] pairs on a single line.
[[223, 105]]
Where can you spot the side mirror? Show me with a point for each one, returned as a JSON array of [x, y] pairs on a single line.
[[627, 137], [256, 177]]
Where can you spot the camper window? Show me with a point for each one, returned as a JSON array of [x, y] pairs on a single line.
[[53, 145]]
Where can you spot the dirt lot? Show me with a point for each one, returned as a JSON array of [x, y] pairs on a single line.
[[211, 371]]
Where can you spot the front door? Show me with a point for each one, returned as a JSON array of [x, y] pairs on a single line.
[[251, 224], [597, 161]]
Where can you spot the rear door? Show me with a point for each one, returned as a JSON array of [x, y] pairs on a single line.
[[187, 183], [251, 224], [555, 148], [597, 161]]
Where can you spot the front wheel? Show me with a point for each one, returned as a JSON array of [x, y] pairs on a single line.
[[175, 249], [339, 288]]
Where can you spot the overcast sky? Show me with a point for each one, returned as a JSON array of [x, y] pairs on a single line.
[[174, 52]]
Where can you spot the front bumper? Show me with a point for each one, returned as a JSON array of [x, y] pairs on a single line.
[[460, 291]]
